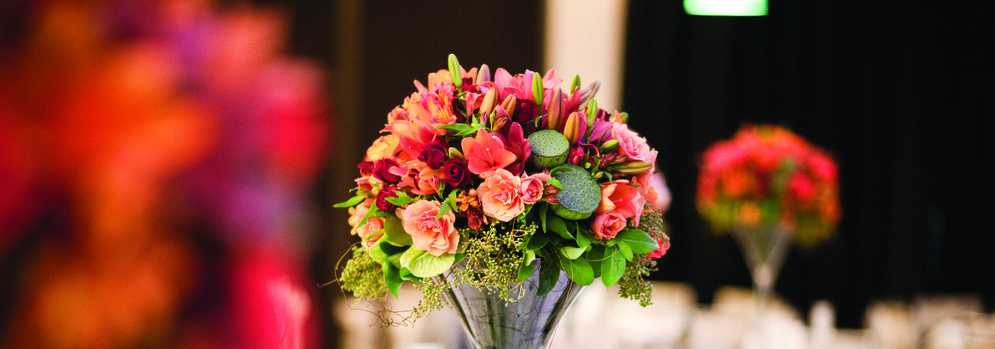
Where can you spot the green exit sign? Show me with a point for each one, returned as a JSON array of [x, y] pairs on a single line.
[[726, 7]]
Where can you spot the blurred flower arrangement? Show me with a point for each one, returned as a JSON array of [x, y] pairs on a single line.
[[476, 178], [768, 176], [157, 158]]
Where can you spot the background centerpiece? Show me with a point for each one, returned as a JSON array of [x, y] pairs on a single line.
[[768, 187], [503, 190]]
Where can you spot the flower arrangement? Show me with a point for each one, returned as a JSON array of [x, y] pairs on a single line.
[[768, 176], [475, 178]]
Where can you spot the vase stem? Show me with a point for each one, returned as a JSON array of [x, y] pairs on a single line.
[[764, 249]]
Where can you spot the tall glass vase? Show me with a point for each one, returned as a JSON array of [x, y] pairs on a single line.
[[764, 249], [492, 323]]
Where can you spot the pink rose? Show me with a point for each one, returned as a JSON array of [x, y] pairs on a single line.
[[607, 225], [436, 236], [631, 145], [531, 189], [500, 196]]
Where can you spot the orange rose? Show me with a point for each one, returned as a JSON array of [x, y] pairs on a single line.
[[500, 196], [435, 236]]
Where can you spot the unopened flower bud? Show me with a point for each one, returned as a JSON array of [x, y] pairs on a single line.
[[509, 104], [575, 127], [490, 98], [608, 146], [636, 167]]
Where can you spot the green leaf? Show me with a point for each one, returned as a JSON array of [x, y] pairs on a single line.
[[556, 224], [526, 270], [537, 241], [392, 274], [612, 267], [625, 250], [378, 254], [401, 199], [584, 238], [395, 230], [549, 274], [556, 183], [446, 206], [579, 270], [595, 255], [639, 241], [424, 264], [355, 200], [572, 252], [542, 215], [457, 127], [407, 276], [373, 211]]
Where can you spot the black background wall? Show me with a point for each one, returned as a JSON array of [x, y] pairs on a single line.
[[893, 89]]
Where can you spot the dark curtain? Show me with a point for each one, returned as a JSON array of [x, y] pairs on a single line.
[[897, 91]]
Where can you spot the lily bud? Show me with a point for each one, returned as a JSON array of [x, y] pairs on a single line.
[[455, 154], [484, 74], [488, 104], [608, 146], [455, 71], [509, 104], [575, 127], [575, 84], [591, 91], [592, 112], [554, 114], [537, 89], [499, 118], [619, 117], [636, 167]]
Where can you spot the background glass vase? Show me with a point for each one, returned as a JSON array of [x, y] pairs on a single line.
[[764, 247], [491, 323]]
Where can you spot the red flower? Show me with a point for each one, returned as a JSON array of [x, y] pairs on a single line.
[[382, 196], [457, 175]]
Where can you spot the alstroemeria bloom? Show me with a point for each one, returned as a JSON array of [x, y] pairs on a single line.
[[606, 225], [435, 236], [500, 196], [620, 197], [422, 179], [386, 146], [485, 154]]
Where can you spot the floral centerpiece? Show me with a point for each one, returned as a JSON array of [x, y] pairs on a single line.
[[476, 180], [767, 175], [769, 187]]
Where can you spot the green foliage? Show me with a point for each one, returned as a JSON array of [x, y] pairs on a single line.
[[363, 276], [638, 241]]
